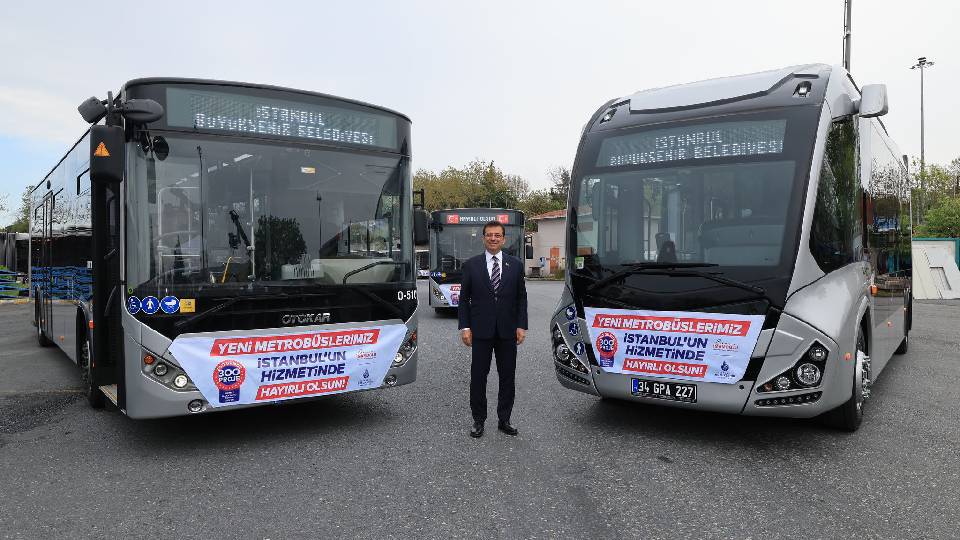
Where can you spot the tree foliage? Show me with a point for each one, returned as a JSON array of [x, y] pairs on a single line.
[[942, 221], [479, 184], [21, 222]]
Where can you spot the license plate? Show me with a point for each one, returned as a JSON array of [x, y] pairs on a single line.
[[665, 390]]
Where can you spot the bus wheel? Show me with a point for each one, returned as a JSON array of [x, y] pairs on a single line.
[[902, 349], [95, 397], [41, 338], [849, 416]]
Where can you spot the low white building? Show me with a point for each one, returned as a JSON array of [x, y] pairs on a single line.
[[549, 244]]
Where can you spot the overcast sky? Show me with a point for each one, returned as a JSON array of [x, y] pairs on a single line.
[[512, 82]]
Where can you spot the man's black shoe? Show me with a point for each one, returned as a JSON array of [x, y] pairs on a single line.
[[507, 428], [477, 430]]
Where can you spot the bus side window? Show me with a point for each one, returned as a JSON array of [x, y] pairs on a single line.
[[836, 212]]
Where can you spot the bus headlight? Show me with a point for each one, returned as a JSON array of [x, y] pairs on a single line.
[[180, 381], [808, 374], [817, 353], [160, 369], [406, 350]]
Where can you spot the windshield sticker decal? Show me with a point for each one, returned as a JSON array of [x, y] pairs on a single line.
[[709, 347], [150, 305], [170, 304], [243, 369]]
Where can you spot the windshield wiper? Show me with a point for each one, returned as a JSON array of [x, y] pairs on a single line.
[[643, 267], [713, 277]]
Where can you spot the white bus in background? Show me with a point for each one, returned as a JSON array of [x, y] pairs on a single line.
[[739, 245], [455, 236]]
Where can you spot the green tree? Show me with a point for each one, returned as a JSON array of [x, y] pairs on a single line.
[[22, 221], [478, 184], [539, 202], [942, 221], [560, 184]]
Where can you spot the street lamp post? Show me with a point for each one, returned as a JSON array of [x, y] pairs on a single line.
[[922, 63]]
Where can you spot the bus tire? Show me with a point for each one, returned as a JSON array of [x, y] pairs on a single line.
[[95, 397], [904, 345], [849, 416], [42, 339]]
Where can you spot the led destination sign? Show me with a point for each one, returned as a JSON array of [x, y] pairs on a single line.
[[728, 139], [477, 219], [221, 111]]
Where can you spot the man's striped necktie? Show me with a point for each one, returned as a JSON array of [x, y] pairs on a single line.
[[495, 274]]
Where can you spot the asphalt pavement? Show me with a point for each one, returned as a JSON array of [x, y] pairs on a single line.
[[399, 463]]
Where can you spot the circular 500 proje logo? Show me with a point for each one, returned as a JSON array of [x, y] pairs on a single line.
[[606, 348], [229, 375]]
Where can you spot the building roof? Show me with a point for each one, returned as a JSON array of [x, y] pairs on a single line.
[[555, 214]]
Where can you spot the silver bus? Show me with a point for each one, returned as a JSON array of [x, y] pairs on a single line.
[[456, 235], [739, 245], [208, 245]]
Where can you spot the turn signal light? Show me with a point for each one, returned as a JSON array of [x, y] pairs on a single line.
[[148, 359]]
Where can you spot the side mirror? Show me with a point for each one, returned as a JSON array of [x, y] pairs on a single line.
[[106, 154], [873, 100], [92, 110], [528, 251], [141, 111], [420, 218]]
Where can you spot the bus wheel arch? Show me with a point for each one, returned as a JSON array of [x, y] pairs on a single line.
[[849, 415]]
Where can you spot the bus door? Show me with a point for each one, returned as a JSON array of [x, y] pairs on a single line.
[[46, 285]]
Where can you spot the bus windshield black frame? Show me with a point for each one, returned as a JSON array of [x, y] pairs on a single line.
[[453, 243], [291, 223], [679, 208]]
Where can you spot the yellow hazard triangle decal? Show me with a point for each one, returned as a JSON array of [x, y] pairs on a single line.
[[101, 151]]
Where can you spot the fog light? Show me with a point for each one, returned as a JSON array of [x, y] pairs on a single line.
[[808, 374], [160, 370], [391, 380], [782, 383], [195, 405], [817, 353], [180, 380]]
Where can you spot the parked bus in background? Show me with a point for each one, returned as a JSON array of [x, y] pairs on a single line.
[[739, 245], [214, 245], [455, 236], [423, 262]]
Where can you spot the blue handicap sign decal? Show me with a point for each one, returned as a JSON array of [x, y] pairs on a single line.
[[133, 305], [150, 305], [573, 329], [170, 304]]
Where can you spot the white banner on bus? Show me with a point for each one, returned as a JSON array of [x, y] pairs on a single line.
[[451, 292], [692, 346], [241, 369]]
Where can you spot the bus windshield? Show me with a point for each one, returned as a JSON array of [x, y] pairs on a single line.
[[457, 243], [217, 212], [723, 193]]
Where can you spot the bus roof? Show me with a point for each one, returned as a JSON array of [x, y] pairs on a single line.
[[720, 90], [213, 82]]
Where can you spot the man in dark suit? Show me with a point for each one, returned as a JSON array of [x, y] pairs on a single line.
[[493, 319]]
